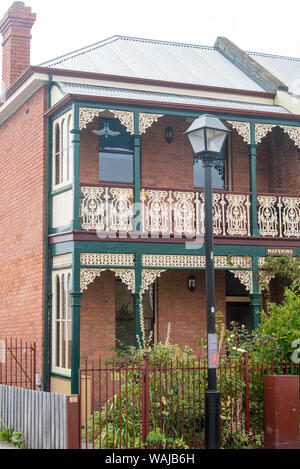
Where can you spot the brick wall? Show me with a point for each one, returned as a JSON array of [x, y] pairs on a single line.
[[97, 329], [22, 210], [278, 166], [185, 310], [165, 165], [240, 176]]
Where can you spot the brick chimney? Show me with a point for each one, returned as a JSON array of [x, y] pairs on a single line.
[[15, 28]]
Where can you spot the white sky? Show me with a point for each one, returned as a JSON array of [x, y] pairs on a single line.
[[270, 26]]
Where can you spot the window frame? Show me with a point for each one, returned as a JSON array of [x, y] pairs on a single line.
[[61, 315], [62, 163]]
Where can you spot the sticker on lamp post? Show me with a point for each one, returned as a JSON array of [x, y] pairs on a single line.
[[212, 350]]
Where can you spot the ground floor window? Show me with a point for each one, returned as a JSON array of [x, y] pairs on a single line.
[[61, 322]]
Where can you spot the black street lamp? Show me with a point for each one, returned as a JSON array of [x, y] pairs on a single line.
[[207, 135]]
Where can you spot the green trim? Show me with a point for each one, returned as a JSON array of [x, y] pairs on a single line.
[[256, 295], [137, 171], [154, 248], [76, 224], [253, 188], [137, 301], [61, 190], [186, 113], [61, 229], [47, 214], [76, 305]]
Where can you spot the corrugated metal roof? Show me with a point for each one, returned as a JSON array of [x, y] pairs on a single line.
[[159, 60], [286, 69], [102, 91]]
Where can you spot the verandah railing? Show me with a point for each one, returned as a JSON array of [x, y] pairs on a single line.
[[181, 213], [17, 363], [165, 212], [122, 401]]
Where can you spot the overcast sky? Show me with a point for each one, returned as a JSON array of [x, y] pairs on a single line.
[[270, 26]]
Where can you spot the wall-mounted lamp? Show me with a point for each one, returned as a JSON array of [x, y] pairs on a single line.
[[191, 283], [169, 134]]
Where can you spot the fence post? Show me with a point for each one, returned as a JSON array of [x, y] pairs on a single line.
[[145, 411], [73, 428], [247, 426]]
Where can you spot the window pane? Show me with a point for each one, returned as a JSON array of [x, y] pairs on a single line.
[[116, 167], [113, 136], [218, 172]]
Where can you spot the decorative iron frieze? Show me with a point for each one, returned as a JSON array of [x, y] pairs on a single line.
[[293, 133], [87, 115], [63, 260], [243, 129], [185, 261], [261, 130], [147, 120], [149, 277], [88, 275], [105, 259], [245, 277]]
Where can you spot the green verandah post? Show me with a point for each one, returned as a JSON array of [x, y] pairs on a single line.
[[137, 226], [75, 305], [253, 187], [255, 296]]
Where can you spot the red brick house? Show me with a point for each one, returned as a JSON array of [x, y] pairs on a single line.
[[84, 137]]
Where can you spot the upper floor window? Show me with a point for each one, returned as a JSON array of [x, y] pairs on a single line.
[[115, 152], [61, 151], [219, 171]]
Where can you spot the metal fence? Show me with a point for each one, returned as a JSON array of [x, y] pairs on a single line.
[[17, 363], [122, 401]]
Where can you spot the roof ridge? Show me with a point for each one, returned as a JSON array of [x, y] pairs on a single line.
[[273, 55], [114, 38]]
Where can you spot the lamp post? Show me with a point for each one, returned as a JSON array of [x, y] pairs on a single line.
[[207, 135]]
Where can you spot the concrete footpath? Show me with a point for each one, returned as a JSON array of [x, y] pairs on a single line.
[[6, 446]]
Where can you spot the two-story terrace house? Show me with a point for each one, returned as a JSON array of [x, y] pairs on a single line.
[[87, 135]]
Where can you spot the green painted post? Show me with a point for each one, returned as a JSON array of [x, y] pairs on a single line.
[[75, 305], [253, 188], [255, 304], [137, 301], [76, 175], [137, 171]]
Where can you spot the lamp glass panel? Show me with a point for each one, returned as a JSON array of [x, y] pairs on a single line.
[[215, 140], [197, 141]]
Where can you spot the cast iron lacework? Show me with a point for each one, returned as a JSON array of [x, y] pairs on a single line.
[[88, 275], [63, 260], [148, 278], [279, 216], [147, 120], [261, 130], [243, 129], [106, 209], [87, 115], [245, 277], [104, 259], [182, 261]]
